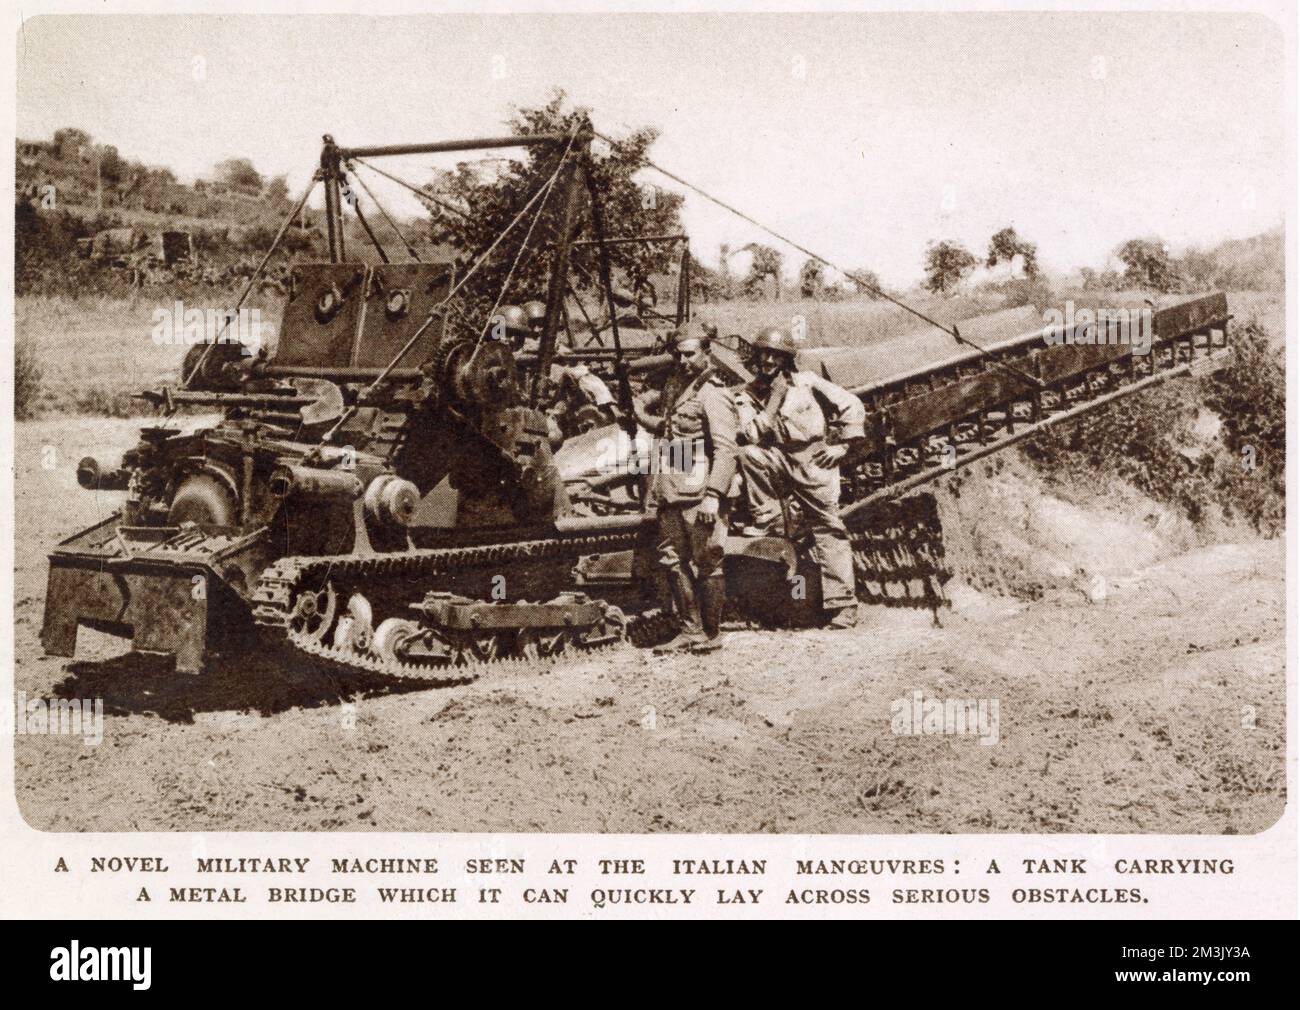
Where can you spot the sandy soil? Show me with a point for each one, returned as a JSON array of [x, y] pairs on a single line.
[[1142, 690]]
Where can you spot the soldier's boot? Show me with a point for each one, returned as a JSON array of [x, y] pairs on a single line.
[[842, 618], [691, 632], [713, 600]]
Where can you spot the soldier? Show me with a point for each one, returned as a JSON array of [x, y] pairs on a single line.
[[536, 313], [793, 444], [581, 396], [510, 324], [694, 470]]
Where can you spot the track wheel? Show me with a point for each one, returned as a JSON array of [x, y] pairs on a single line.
[[392, 636], [539, 643], [313, 614], [480, 647], [355, 629]]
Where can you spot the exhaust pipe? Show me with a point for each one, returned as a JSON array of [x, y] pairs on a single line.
[[310, 482], [93, 476]]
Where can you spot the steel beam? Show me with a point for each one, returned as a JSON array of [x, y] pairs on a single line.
[[444, 146]]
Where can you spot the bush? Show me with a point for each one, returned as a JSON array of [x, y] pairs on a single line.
[[27, 378], [1153, 442], [1250, 396]]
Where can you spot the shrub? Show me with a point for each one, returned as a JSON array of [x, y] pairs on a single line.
[[1150, 440], [27, 377]]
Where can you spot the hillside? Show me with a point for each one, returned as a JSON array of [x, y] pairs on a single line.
[[70, 189]]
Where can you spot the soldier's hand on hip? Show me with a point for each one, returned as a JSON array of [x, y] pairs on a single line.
[[829, 455], [707, 510]]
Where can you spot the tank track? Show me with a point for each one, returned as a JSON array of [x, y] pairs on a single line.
[[896, 540], [278, 588]]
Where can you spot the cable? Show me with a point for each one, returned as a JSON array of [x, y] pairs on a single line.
[[792, 243], [410, 249], [550, 185], [874, 289], [186, 380], [423, 194], [433, 313], [515, 264]]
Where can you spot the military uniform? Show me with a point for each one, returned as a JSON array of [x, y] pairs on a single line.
[[797, 413], [697, 458]]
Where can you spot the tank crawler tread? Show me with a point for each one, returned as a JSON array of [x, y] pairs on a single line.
[[391, 414], [467, 649]]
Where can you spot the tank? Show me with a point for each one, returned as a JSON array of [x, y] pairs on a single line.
[[389, 495]]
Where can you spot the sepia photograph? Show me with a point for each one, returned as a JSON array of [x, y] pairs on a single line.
[[845, 423]]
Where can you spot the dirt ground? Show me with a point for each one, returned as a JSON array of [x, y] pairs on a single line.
[[1143, 690]]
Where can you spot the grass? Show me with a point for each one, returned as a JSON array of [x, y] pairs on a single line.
[[90, 354], [93, 353], [846, 323]]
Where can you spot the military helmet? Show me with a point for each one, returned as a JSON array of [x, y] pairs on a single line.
[[775, 339], [682, 342], [536, 312], [512, 319]]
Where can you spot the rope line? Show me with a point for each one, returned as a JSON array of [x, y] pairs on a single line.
[[550, 185], [423, 194], [437, 309], [410, 249], [248, 286], [952, 331]]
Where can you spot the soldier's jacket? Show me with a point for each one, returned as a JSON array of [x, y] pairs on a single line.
[[802, 411], [698, 440], [589, 386]]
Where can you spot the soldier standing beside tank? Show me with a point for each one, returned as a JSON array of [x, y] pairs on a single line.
[[694, 470], [794, 440]]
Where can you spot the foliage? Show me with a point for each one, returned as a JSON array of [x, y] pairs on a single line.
[[765, 262], [865, 282], [1006, 245], [1250, 396], [946, 263], [239, 173], [27, 377], [810, 279], [277, 189], [1153, 441], [69, 142], [491, 193], [111, 166], [1147, 264]]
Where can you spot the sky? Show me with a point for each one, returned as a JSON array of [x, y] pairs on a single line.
[[862, 136]]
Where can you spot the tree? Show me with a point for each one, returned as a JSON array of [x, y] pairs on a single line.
[[1199, 268], [111, 166], [810, 279], [69, 143], [485, 196], [239, 173], [946, 263], [865, 282], [1147, 264], [765, 263], [277, 190], [1006, 245]]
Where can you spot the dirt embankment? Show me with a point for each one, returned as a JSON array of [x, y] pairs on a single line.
[[1132, 680]]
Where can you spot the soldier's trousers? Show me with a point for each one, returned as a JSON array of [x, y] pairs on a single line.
[[692, 554], [772, 475]]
